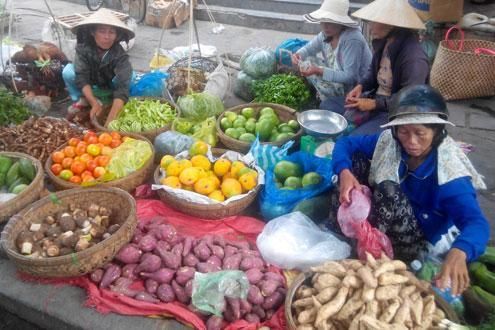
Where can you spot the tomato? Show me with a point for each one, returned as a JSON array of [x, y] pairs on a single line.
[[70, 152], [67, 162], [86, 173], [58, 157], [88, 178], [105, 139], [115, 135], [88, 135], [74, 141], [98, 172], [85, 158], [65, 175], [75, 179], [93, 139], [56, 169], [102, 160], [81, 148], [106, 151], [93, 150], [77, 167], [115, 143], [91, 165]]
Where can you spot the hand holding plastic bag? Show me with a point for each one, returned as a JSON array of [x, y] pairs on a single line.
[[294, 241]]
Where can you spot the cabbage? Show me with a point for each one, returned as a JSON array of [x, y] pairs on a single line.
[[243, 87], [258, 62], [199, 106]]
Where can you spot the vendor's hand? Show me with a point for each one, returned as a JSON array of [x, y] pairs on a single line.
[[311, 70], [455, 271], [96, 109], [295, 59], [347, 182], [361, 104], [354, 93]]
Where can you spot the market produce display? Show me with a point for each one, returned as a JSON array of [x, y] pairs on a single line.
[[166, 262], [378, 294], [286, 89], [480, 297], [258, 62], [140, 115], [249, 123], [38, 137], [12, 108], [15, 176], [289, 175], [203, 130], [72, 230]]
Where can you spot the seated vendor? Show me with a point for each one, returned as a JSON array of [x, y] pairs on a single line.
[[423, 185], [398, 61], [346, 54], [101, 66]]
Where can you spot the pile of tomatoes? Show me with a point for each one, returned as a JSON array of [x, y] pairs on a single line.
[[85, 160]]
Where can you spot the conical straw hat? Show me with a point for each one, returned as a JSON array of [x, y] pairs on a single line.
[[106, 17], [391, 12], [332, 11]]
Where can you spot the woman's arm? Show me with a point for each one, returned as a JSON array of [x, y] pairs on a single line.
[[346, 146], [352, 54], [313, 47]]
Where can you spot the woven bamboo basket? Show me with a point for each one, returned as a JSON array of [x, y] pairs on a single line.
[[122, 206], [283, 112], [99, 121], [205, 211], [305, 278], [127, 183], [29, 195]]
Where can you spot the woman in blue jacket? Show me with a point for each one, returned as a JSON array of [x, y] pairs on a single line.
[[423, 185]]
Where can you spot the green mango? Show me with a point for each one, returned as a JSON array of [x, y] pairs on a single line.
[[12, 174], [27, 169], [5, 164]]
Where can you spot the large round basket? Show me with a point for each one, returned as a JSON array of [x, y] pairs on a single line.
[[305, 278], [283, 112], [205, 211], [99, 121], [127, 183], [28, 195], [123, 212]]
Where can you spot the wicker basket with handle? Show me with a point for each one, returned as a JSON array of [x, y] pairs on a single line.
[[123, 212]]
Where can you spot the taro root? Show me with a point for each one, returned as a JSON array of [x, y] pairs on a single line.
[[69, 239], [93, 210], [97, 231], [50, 220], [53, 251], [104, 211], [66, 222], [24, 242], [53, 232]]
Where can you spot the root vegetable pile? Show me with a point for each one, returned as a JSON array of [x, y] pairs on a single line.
[[37, 137], [377, 295], [66, 232], [166, 261]]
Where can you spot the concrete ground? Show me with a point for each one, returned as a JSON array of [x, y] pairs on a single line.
[[49, 307]]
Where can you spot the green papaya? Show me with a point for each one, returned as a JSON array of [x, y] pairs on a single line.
[[5, 164], [19, 188], [12, 174], [316, 208], [489, 256], [482, 276], [18, 181], [27, 169]]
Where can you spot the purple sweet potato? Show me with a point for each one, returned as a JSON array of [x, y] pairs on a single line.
[[219, 240], [254, 275], [268, 287], [184, 274], [165, 293], [250, 253], [187, 246], [254, 295], [171, 260], [147, 243], [252, 318], [145, 296], [242, 245], [162, 246], [269, 313], [122, 286], [188, 288], [128, 271], [166, 232], [258, 310], [228, 314], [202, 251], [232, 262], [129, 254], [150, 264], [190, 260], [145, 256], [162, 275], [111, 274], [214, 260], [275, 277], [230, 250], [177, 249], [246, 307], [208, 240], [180, 293], [214, 323], [218, 251], [251, 262], [151, 285], [274, 301], [204, 267], [235, 306], [96, 275]]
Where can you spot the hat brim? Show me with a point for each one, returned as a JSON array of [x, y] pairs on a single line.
[[395, 13], [416, 119], [129, 32], [105, 16], [323, 16]]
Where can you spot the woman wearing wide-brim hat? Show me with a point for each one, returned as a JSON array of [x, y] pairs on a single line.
[[345, 53], [398, 61], [101, 72]]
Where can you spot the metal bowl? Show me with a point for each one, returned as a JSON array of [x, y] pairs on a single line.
[[322, 123]]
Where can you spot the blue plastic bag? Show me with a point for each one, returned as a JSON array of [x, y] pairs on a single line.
[[275, 202], [267, 155], [150, 84], [291, 45]]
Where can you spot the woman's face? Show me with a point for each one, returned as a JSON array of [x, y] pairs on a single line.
[[379, 30], [331, 29], [415, 139], [105, 36]]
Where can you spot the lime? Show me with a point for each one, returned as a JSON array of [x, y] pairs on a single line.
[[250, 126], [293, 182], [284, 128], [247, 137], [239, 122], [225, 123], [241, 130], [232, 132], [310, 178], [230, 115], [284, 168], [282, 136], [264, 129], [267, 110], [293, 124], [248, 112], [272, 117]]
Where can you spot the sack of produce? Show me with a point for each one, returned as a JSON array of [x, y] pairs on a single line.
[[243, 86], [297, 177], [286, 89], [150, 84], [258, 62], [171, 143], [199, 106]]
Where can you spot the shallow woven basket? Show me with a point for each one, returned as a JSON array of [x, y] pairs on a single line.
[[28, 195], [127, 183], [305, 278], [122, 206], [205, 211], [99, 121], [283, 112]]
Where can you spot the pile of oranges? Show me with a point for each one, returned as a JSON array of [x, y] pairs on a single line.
[[219, 180], [85, 160]]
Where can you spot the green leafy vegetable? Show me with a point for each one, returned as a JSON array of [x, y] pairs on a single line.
[[199, 106], [285, 89], [13, 110]]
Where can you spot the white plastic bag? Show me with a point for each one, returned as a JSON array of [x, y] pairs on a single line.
[[218, 82], [294, 241]]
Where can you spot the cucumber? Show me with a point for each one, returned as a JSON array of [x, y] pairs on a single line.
[[485, 296], [489, 256], [482, 276], [477, 308], [12, 174], [18, 181], [27, 169], [5, 164]]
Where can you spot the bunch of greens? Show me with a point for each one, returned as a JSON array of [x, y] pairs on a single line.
[[199, 106], [140, 115], [13, 110], [285, 89]]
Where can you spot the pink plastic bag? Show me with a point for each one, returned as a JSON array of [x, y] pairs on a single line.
[[353, 222]]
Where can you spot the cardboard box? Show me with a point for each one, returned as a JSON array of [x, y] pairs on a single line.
[[166, 14], [439, 11]]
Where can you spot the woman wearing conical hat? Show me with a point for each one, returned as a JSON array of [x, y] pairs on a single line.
[[398, 61], [101, 66], [345, 53]]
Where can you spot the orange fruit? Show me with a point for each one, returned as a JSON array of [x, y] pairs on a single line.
[[92, 139], [201, 161], [102, 160], [115, 135], [248, 181], [58, 157], [227, 175], [105, 139], [171, 181], [91, 165], [77, 167], [221, 166], [185, 163], [75, 179], [99, 171], [236, 167], [204, 186], [73, 142], [215, 180], [56, 169], [115, 143], [231, 187], [198, 148], [189, 176], [65, 175], [88, 178], [174, 168], [166, 160], [217, 195], [70, 152], [67, 162]]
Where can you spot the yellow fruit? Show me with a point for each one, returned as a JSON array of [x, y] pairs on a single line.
[[166, 160], [201, 161], [198, 148], [215, 180], [188, 188], [202, 172], [204, 186], [231, 187], [245, 170], [174, 168], [227, 175], [185, 163], [221, 166], [217, 195], [236, 167], [248, 181], [171, 181], [189, 176]]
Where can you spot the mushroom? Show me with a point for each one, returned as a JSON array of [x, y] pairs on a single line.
[[53, 232]]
